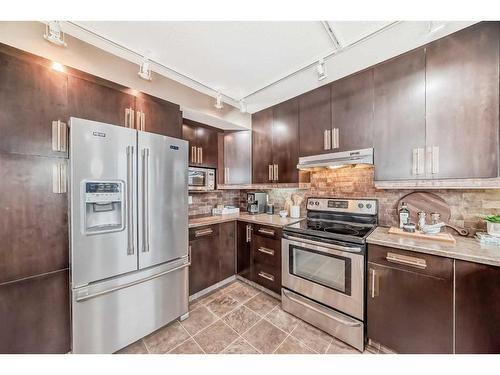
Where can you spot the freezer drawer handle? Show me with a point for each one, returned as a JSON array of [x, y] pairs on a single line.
[[266, 276], [308, 306], [130, 199], [265, 250], [203, 232], [266, 231], [128, 285], [145, 197], [406, 260]]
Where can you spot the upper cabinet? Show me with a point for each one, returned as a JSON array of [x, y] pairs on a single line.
[[315, 122], [352, 112], [262, 146], [399, 117], [462, 99], [158, 116], [203, 143], [238, 157]]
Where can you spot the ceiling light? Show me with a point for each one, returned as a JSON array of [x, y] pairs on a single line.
[[218, 102], [58, 67], [145, 70], [321, 70], [54, 34], [243, 106]]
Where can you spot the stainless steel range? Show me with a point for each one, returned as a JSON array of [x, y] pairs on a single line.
[[323, 266]]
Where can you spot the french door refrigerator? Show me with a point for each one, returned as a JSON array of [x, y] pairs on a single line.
[[128, 234]]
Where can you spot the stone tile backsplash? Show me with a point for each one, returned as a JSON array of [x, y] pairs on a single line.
[[204, 202]]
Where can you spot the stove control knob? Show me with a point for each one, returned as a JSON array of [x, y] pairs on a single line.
[[369, 205], [311, 203], [316, 203], [361, 205]]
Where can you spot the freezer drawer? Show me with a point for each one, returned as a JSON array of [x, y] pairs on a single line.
[[112, 314], [333, 322]]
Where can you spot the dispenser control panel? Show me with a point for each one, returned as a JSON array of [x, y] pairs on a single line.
[[100, 192]]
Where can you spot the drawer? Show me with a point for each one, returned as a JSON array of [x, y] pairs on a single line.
[[266, 250], [205, 231], [268, 276], [410, 261], [266, 231]]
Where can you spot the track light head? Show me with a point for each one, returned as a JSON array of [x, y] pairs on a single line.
[[243, 106], [218, 102], [145, 70], [321, 70], [54, 34]]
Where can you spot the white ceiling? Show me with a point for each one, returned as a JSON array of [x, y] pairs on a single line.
[[261, 62]]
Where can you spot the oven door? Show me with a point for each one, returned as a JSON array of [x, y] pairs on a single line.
[[198, 179], [327, 273]]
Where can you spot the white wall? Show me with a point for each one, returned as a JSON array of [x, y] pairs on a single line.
[[28, 36]]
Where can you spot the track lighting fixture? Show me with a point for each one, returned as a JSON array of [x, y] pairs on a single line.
[[243, 106], [145, 70], [321, 70], [218, 101], [435, 26], [54, 34]]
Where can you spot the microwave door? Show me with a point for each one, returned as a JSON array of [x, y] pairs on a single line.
[[197, 179]]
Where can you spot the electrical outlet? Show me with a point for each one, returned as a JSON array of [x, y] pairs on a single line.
[[190, 199]]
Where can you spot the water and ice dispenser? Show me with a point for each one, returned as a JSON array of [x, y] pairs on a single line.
[[104, 206]]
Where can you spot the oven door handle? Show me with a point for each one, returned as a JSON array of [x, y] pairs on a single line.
[[323, 244], [308, 306]]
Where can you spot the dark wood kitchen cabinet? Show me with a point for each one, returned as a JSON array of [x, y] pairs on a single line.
[[99, 100], [31, 96], [237, 157], [285, 135], [462, 101], [410, 301], [477, 308], [158, 116], [315, 122], [203, 143], [399, 117], [227, 250], [243, 254], [35, 315], [266, 257], [352, 112], [262, 146]]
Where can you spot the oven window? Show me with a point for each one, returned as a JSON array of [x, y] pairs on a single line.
[[331, 271], [197, 178]]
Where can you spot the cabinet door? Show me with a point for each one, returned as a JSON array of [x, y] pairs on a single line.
[[160, 116], [462, 102], [410, 308], [238, 157], [352, 111], [399, 116], [286, 141], [477, 308], [315, 122], [204, 269], [227, 250], [34, 222], [31, 97], [243, 249], [97, 102], [189, 134], [207, 140], [34, 315], [262, 146]]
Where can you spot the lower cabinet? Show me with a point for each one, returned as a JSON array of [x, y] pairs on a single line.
[[410, 301], [213, 253], [477, 308], [244, 249], [266, 257]]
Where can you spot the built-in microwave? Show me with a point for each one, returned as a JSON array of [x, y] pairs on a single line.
[[201, 179]]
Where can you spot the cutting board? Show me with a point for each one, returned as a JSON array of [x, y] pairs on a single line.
[[427, 202], [442, 237]]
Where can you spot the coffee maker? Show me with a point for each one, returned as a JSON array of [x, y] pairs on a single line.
[[256, 203]]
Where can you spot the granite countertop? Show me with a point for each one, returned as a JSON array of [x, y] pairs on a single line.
[[466, 248], [264, 219]]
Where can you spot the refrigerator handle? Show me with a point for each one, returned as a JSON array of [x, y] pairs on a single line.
[[130, 200], [145, 199]]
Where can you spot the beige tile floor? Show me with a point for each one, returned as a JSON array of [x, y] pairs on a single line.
[[239, 319]]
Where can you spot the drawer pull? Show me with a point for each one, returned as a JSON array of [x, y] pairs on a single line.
[[265, 250], [406, 260], [266, 276], [266, 231], [203, 232]]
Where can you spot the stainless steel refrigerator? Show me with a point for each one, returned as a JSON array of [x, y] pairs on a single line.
[[128, 234]]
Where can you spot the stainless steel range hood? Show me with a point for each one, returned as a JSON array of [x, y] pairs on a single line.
[[336, 159]]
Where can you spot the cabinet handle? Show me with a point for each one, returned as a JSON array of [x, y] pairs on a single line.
[[269, 232], [249, 233], [138, 118], [59, 136], [270, 172], [326, 140], [337, 137], [406, 260], [59, 178], [374, 284], [131, 119], [226, 175], [199, 160], [435, 159], [414, 158], [189, 254], [143, 119], [193, 154], [126, 117], [265, 250], [266, 276], [275, 173], [203, 232]]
